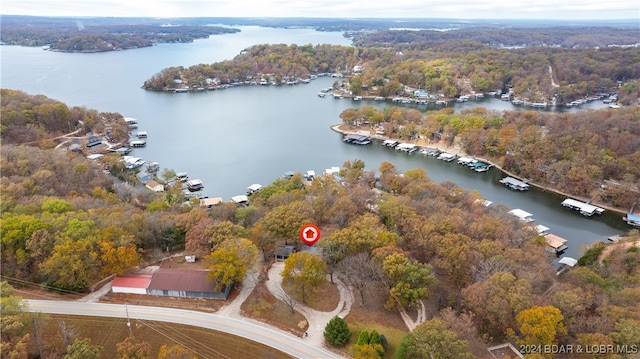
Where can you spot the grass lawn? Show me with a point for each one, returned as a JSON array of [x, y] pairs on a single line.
[[263, 306], [107, 332], [372, 316]]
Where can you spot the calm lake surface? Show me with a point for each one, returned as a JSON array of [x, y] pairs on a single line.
[[253, 134]]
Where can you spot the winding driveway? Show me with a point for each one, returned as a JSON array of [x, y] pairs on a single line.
[[317, 320], [287, 343]]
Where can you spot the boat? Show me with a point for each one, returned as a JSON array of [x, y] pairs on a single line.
[[522, 215], [153, 167], [195, 185], [357, 98], [514, 184], [480, 166], [182, 176], [322, 94], [585, 209], [254, 188]]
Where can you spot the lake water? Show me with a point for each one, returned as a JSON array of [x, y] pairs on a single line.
[[253, 134]]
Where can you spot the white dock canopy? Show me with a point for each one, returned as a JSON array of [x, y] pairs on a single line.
[[571, 262], [585, 209], [522, 215]]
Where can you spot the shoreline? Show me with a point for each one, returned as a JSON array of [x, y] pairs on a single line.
[[460, 152]]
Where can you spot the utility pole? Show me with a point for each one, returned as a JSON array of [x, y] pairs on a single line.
[[128, 320]]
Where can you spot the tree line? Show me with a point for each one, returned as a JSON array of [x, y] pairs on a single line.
[[443, 68], [95, 35], [590, 154]]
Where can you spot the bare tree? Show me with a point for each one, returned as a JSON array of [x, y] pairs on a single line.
[[361, 273]]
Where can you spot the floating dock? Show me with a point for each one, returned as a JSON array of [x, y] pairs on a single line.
[[514, 184], [585, 209]]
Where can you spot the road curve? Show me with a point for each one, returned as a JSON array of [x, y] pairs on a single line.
[[288, 344]]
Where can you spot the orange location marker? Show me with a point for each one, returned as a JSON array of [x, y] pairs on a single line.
[[310, 234]]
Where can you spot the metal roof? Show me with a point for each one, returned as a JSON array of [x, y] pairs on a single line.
[[182, 280], [133, 281]]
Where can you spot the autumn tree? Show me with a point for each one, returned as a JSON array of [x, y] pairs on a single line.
[[284, 222], [83, 349], [540, 325], [175, 351], [230, 262], [304, 272], [408, 280], [14, 328], [337, 332], [433, 339], [133, 348]]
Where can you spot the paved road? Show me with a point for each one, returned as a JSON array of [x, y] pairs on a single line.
[[289, 344]]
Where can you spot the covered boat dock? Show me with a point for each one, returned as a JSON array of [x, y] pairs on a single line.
[[585, 209]]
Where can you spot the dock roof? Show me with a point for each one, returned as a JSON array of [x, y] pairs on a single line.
[[554, 241], [583, 207]]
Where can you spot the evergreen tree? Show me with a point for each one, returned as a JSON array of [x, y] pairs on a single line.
[[337, 332]]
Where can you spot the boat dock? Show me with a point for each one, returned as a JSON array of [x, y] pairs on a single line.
[[514, 184], [357, 139], [407, 147], [556, 243], [522, 215], [585, 209], [137, 143], [633, 217]]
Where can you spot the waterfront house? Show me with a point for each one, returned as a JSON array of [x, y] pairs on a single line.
[[144, 177], [155, 186]]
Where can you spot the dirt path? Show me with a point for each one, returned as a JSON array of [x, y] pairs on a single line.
[[317, 320], [410, 323]]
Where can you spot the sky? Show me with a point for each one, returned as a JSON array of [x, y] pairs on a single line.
[[457, 9]]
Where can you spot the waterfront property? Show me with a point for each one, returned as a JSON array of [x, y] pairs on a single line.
[[585, 209], [132, 162], [522, 215], [542, 230], [240, 200], [310, 175], [210, 202], [556, 244], [514, 184]]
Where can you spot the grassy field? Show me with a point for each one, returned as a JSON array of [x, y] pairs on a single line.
[[107, 332]]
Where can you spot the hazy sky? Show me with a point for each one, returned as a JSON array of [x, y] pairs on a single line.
[[461, 9]]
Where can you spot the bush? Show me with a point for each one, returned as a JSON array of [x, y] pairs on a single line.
[[337, 332]]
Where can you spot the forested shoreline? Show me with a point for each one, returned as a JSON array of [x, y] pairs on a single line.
[[66, 224]]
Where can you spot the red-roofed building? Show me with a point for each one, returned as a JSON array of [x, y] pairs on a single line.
[[134, 284]]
